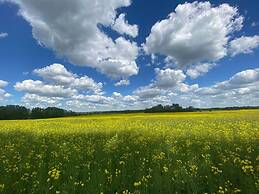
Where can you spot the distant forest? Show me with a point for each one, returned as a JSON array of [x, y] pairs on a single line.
[[13, 112]]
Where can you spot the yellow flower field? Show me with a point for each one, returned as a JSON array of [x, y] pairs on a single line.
[[207, 152]]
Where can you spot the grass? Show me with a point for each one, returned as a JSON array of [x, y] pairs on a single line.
[[207, 152]]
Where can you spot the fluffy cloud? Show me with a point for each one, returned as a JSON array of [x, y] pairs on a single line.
[[99, 99], [241, 79], [147, 92], [61, 87], [242, 95], [240, 83], [42, 89], [116, 95], [244, 44], [239, 90], [200, 69], [58, 74], [3, 93], [122, 82], [185, 88], [3, 83], [72, 29], [98, 102], [3, 35], [123, 27], [194, 33], [33, 100], [168, 78]]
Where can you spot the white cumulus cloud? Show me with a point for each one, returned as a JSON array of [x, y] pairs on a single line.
[[3, 83], [241, 81], [168, 78], [195, 32], [147, 92], [200, 69], [244, 44], [123, 27], [71, 29], [3, 93], [58, 74], [41, 89], [34, 100]]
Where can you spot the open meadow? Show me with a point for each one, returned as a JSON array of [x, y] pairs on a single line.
[[206, 152]]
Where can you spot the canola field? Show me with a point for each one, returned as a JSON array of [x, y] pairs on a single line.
[[207, 152]]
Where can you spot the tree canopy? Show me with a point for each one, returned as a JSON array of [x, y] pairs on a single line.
[[20, 112]]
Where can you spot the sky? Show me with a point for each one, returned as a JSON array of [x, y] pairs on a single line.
[[86, 55]]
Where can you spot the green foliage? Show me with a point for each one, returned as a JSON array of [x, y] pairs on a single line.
[[11, 112], [168, 108], [14, 112]]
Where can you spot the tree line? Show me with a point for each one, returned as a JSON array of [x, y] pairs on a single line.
[[11, 112], [170, 108], [155, 109], [178, 108]]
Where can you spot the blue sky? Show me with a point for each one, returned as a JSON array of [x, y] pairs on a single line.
[[103, 55]]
